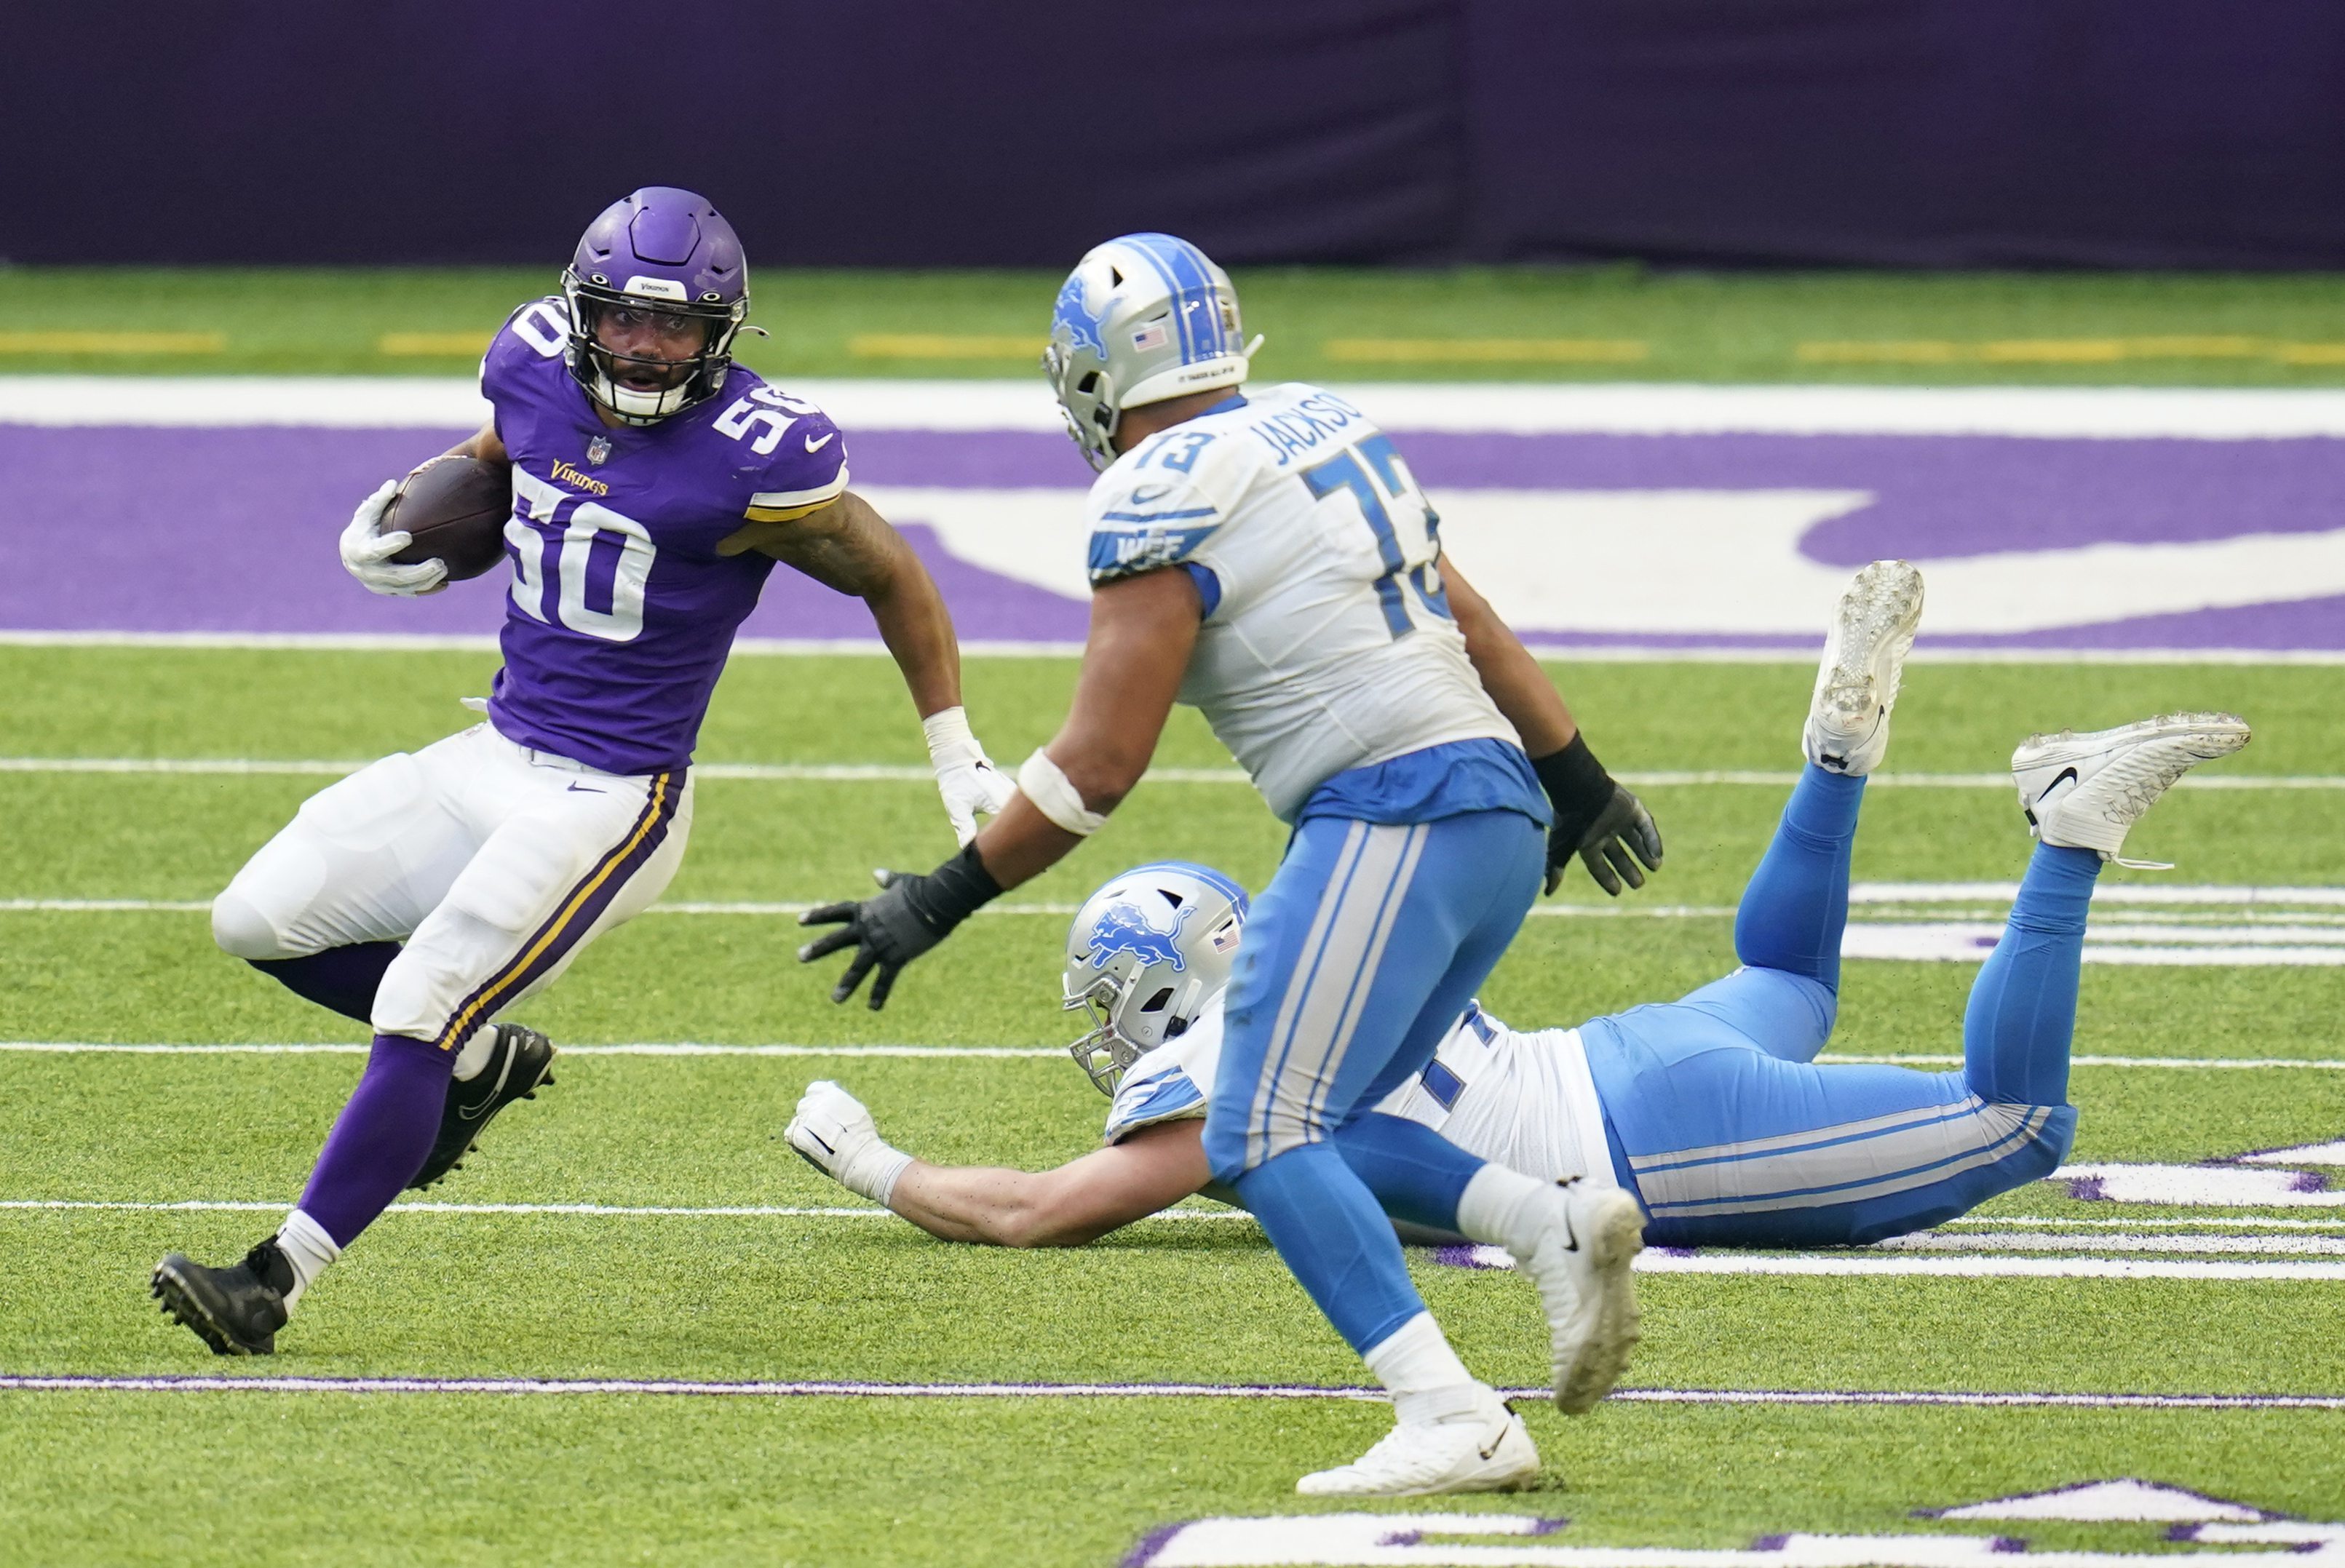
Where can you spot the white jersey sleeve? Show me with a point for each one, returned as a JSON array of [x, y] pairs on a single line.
[[1174, 1082], [1328, 642], [1525, 1101]]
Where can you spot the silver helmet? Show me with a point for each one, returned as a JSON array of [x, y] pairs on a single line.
[[1141, 319], [1146, 953]]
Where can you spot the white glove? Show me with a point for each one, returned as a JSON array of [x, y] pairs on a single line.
[[366, 554], [834, 1132], [966, 776]]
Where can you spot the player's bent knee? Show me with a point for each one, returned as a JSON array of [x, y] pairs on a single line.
[[242, 931]]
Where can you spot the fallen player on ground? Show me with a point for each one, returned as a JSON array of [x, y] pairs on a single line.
[[1710, 1109]]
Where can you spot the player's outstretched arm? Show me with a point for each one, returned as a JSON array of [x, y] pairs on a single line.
[[1078, 1202], [1595, 818], [1142, 630], [847, 545]]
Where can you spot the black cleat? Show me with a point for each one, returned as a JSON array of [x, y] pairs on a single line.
[[520, 1063], [236, 1311]]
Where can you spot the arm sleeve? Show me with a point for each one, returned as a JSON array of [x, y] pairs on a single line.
[[804, 467]]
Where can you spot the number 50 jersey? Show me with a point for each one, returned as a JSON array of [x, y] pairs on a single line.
[[1328, 642], [622, 613]]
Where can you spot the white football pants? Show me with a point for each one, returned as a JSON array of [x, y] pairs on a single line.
[[497, 865]]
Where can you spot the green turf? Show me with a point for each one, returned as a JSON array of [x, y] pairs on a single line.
[[2098, 329], [271, 1478]]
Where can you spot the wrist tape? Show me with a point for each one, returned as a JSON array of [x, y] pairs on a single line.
[[949, 736], [1576, 785], [1057, 798]]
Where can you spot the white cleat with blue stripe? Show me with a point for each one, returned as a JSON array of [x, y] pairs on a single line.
[[2086, 791]]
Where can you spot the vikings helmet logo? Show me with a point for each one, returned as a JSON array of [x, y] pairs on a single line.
[[1124, 928], [1075, 317]]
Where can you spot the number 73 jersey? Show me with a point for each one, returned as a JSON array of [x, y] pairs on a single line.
[[621, 611], [1327, 642]]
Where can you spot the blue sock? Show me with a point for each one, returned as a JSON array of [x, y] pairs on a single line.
[[2022, 1015], [341, 978], [1796, 904], [1335, 1241], [1417, 1174]]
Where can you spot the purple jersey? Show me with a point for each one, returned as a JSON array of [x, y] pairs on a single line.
[[621, 611]]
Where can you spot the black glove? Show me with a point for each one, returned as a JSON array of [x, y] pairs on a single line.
[[910, 917], [1595, 819]]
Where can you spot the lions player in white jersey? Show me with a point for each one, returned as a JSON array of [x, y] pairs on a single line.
[[1710, 1109], [1268, 558]]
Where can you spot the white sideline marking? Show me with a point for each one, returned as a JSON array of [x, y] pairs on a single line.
[[1980, 1262], [634, 1049], [585, 1211], [696, 1048], [893, 773], [1966, 1399], [2047, 1222], [2046, 1241], [455, 403], [1011, 648]]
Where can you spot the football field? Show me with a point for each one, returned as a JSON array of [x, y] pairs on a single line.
[[636, 1327]]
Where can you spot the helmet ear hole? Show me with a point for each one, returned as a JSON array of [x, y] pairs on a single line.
[[1089, 384], [1115, 276], [1158, 1003]]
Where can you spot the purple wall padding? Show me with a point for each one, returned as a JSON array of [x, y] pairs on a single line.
[[2160, 133], [1910, 133]]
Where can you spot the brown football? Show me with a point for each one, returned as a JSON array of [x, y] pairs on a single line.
[[456, 509]]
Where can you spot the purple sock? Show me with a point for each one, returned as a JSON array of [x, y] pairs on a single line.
[[382, 1136], [342, 978]]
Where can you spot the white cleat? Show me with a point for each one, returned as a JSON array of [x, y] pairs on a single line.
[[1579, 1255], [2084, 792], [1865, 658], [1494, 1453]]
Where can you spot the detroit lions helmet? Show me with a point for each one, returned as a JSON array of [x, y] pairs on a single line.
[[666, 255], [1142, 319], [1146, 953]]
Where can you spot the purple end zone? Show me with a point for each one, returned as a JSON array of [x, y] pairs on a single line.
[[232, 530]]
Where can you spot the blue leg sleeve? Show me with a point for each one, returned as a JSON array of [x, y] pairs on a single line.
[[1796, 904], [1417, 1174], [2022, 1008], [1358, 957], [1329, 1230]]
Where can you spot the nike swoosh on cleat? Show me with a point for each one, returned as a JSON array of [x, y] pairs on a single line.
[[812, 445]]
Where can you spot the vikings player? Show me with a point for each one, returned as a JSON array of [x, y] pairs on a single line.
[[1268, 558], [1708, 1109], [654, 484]]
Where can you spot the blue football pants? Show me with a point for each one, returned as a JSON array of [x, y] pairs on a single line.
[[1358, 957], [1724, 1127]]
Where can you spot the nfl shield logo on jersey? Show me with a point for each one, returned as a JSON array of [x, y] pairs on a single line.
[[598, 451]]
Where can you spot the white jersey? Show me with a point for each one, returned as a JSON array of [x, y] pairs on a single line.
[[1525, 1101], [1328, 642]]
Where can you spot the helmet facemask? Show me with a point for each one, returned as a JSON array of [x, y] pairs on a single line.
[[679, 381]]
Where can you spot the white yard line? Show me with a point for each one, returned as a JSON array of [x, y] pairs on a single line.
[[984, 648], [1963, 1257], [891, 773], [1633, 408], [843, 1388], [696, 1048]]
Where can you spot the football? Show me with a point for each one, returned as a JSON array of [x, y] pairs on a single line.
[[456, 509]]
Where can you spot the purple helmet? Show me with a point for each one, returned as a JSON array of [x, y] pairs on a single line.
[[661, 268]]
